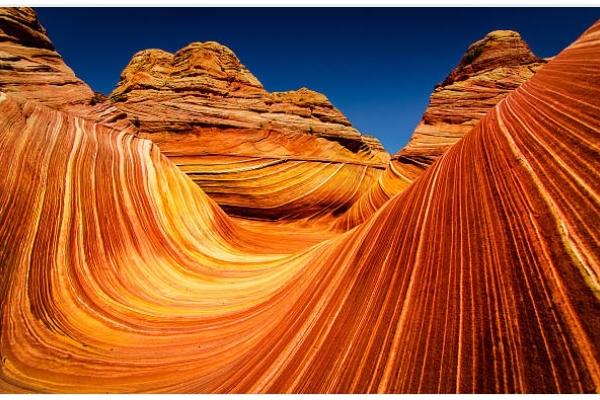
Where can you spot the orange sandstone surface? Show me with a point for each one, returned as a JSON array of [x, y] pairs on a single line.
[[31, 68], [121, 274], [491, 68], [274, 156]]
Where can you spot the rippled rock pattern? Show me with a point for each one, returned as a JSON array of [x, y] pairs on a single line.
[[490, 69], [284, 155], [119, 274], [31, 68]]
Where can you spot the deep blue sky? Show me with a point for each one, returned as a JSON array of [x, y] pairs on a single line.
[[378, 65]]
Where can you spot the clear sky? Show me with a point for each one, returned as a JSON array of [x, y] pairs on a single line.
[[378, 65]]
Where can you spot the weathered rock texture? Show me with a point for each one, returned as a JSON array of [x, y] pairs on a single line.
[[258, 154], [491, 68], [262, 155], [120, 275], [31, 68], [206, 85]]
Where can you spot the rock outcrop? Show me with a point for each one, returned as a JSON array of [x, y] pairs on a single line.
[[256, 153], [262, 155], [491, 68], [120, 275], [206, 85], [31, 68]]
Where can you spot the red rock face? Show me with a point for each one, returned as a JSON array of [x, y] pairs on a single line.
[[205, 85], [261, 155], [120, 275], [491, 68], [31, 68]]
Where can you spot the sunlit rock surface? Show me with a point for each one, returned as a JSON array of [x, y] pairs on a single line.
[[119, 274], [275, 156], [31, 68], [490, 69]]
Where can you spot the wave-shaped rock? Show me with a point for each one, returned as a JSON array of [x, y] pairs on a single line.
[[120, 275], [258, 154]]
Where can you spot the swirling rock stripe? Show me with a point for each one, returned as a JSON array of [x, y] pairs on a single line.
[[491, 69], [267, 175], [103, 241], [123, 276], [397, 176]]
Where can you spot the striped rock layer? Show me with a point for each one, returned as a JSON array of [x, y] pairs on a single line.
[[31, 68], [283, 155], [119, 274], [492, 67]]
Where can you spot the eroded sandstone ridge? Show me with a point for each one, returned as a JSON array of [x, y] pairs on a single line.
[[119, 274], [263, 155], [31, 68], [206, 85], [271, 156], [491, 68]]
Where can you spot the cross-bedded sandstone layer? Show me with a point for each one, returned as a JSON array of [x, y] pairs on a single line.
[[262, 155], [121, 275], [491, 68], [31, 68]]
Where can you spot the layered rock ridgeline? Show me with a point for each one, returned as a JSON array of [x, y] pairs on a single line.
[[205, 85], [284, 155], [491, 68], [30, 65], [281, 155], [31, 68]]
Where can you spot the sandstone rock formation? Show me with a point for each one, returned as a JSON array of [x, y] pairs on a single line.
[[31, 68], [120, 275], [211, 116], [492, 67], [263, 155], [206, 85]]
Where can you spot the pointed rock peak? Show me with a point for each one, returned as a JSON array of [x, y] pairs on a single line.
[[501, 48]]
